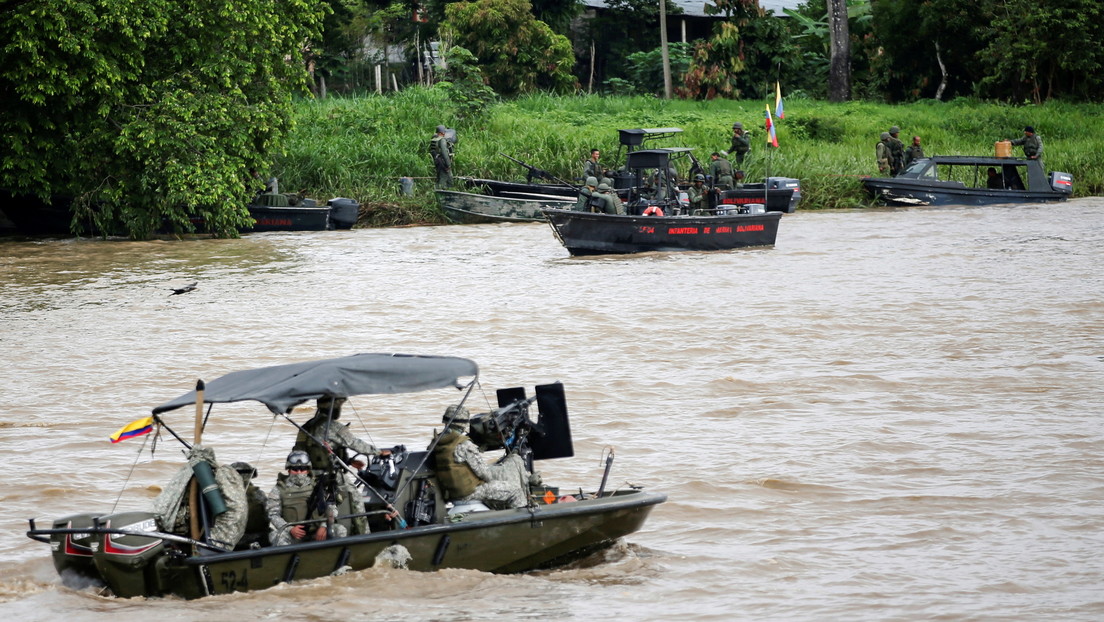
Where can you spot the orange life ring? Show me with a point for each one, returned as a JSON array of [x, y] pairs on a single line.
[[653, 210]]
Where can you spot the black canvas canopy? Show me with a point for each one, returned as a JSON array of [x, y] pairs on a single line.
[[282, 387]]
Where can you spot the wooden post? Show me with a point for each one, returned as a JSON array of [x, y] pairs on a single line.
[[194, 525]]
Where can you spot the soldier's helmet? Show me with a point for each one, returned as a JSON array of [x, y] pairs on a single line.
[[248, 471], [894, 130], [885, 135], [441, 129], [592, 181], [1029, 129], [603, 187], [737, 126], [298, 459], [331, 403], [456, 415], [699, 177]]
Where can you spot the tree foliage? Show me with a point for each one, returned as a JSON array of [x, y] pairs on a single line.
[[517, 52], [148, 112]]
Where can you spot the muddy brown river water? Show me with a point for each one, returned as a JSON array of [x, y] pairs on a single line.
[[892, 415]]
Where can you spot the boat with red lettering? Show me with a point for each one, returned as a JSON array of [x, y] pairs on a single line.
[[657, 219]]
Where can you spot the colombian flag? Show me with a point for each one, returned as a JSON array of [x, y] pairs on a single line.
[[772, 136], [778, 111], [132, 429]]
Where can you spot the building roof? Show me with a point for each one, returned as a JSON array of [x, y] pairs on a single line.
[[696, 8]]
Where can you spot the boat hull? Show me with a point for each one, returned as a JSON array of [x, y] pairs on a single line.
[[896, 191], [299, 218], [470, 208], [504, 541], [584, 233]]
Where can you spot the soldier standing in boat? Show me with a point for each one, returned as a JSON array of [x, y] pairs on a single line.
[[881, 153], [696, 194], [721, 170], [440, 149], [1032, 144], [896, 151], [741, 143], [320, 436], [296, 512], [468, 477], [914, 152], [592, 168]]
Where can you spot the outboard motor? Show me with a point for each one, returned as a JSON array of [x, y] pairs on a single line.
[[72, 552], [128, 563], [787, 183], [343, 212], [1062, 182]]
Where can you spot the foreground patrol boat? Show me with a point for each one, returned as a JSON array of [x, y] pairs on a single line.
[[403, 500], [964, 180]]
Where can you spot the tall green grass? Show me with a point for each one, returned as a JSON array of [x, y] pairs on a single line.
[[360, 147]]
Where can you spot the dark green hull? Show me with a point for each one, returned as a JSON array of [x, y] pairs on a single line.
[[504, 541]]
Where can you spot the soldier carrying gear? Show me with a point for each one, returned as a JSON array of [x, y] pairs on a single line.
[[896, 151], [467, 477], [296, 512], [741, 143], [881, 153], [440, 150]]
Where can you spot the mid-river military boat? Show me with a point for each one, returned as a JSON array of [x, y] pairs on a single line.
[[966, 180], [656, 219], [403, 499]]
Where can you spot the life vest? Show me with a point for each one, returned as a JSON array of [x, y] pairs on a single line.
[[457, 478], [293, 500], [653, 210]]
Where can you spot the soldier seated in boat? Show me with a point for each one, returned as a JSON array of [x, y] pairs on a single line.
[[223, 508], [256, 520], [589, 189], [466, 476], [995, 180], [297, 506]]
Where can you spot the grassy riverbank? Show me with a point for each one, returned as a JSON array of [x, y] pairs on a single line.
[[360, 147]]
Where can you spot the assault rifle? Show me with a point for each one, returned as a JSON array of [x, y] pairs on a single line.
[[536, 173]]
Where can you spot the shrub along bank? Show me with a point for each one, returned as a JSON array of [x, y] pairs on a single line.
[[360, 147]]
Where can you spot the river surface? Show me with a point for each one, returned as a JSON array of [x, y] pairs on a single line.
[[892, 415]]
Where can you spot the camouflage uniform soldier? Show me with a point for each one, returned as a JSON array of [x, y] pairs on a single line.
[[256, 524], [696, 194], [586, 193], [881, 152], [896, 151], [611, 202], [914, 152], [440, 149], [592, 168], [292, 501], [721, 170], [1032, 144], [741, 143], [174, 515], [323, 427], [466, 476]]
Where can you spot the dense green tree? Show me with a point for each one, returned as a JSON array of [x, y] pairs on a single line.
[[148, 112], [622, 28], [1040, 49], [517, 52]]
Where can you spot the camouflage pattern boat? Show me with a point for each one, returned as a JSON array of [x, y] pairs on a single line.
[[471, 208], [412, 522]]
